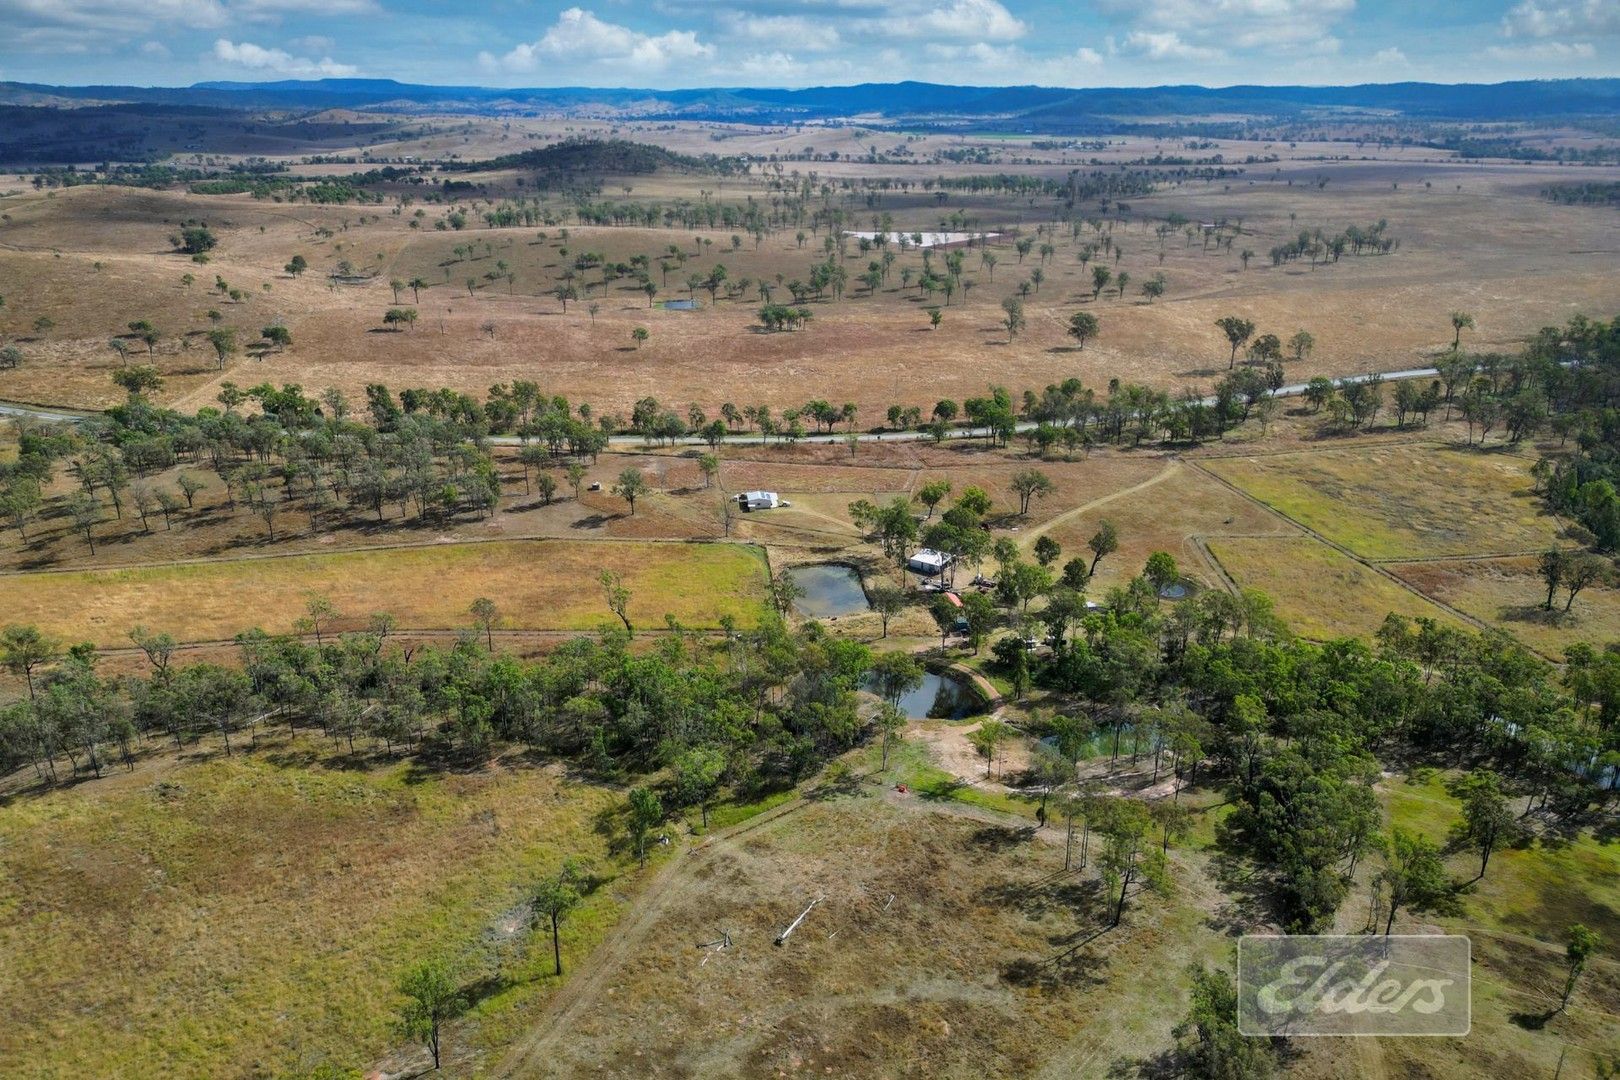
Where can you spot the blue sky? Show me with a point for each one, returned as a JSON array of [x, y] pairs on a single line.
[[675, 43]]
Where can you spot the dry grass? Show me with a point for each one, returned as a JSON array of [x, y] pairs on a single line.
[[1403, 500], [679, 509], [249, 915], [1516, 917], [1166, 507], [795, 479], [830, 487], [1509, 593], [538, 585], [1317, 591], [946, 979], [873, 351]]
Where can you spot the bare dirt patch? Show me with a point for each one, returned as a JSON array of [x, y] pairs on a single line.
[[927, 949]]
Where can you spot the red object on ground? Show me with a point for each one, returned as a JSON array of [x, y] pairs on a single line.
[[901, 788], [953, 598]]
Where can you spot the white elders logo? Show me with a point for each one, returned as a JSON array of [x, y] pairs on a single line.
[[1328, 985]]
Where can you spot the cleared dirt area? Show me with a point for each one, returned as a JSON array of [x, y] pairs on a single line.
[[936, 930], [537, 585], [1407, 500]]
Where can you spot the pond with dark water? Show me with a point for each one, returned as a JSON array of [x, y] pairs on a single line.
[[942, 697], [830, 590]]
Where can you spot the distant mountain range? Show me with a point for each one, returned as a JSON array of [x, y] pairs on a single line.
[[1036, 108]]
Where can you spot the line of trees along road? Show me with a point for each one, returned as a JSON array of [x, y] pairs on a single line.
[[427, 451]]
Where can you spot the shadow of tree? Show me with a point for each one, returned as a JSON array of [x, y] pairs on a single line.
[[1533, 1021]]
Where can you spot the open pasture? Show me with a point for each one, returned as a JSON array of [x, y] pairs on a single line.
[[249, 915], [1509, 594], [1319, 592], [1537, 889], [938, 944], [1516, 917], [537, 585], [874, 350], [215, 527], [1403, 501], [791, 478], [1156, 505]]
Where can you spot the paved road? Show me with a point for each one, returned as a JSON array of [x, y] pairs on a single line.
[[1292, 390], [49, 415]]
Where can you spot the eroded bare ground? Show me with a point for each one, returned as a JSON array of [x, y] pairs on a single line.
[[947, 942]]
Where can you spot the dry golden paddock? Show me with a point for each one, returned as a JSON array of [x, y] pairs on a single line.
[[247, 910], [1473, 237]]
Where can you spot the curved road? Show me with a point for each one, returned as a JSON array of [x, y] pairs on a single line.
[[1292, 390]]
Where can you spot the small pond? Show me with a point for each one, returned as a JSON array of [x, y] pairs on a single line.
[[1176, 590], [680, 305], [830, 590], [941, 697]]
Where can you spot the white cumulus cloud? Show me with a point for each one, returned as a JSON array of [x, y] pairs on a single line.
[[267, 10], [579, 36], [105, 18], [279, 61], [1539, 18], [771, 67], [967, 20], [783, 31], [1216, 26], [1543, 50], [1167, 45], [87, 25]]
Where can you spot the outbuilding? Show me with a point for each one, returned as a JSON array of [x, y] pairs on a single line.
[[928, 562], [759, 500]]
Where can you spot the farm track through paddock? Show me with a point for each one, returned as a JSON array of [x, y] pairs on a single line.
[[1357, 560], [576, 1029]]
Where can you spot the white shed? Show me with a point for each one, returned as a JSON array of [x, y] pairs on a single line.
[[759, 500], [928, 562]]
